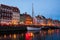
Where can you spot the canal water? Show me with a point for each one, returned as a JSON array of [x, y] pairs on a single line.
[[32, 35]]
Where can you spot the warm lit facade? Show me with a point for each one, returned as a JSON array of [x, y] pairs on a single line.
[[25, 19], [49, 22], [9, 14], [28, 20], [38, 20]]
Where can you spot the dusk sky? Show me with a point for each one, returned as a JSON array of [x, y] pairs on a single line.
[[47, 8]]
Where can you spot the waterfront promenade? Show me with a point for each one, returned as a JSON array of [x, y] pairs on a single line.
[[22, 28]]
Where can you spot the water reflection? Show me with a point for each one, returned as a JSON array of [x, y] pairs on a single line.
[[12, 37], [41, 35], [47, 35]]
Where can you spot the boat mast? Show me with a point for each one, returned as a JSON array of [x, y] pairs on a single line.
[[32, 14]]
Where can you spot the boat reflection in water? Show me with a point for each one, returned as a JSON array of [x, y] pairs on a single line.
[[45, 35], [30, 35]]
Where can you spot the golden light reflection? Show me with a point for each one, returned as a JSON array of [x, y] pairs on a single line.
[[5, 36], [31, 34], [14, 36], [49, 31], [10, 35]]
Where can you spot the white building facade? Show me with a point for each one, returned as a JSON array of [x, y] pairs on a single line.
[[9, 14]]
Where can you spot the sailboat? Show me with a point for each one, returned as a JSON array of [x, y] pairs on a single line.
[[33, 29]]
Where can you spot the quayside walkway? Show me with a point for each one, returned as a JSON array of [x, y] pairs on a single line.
[[12, 29], [21, 28]]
